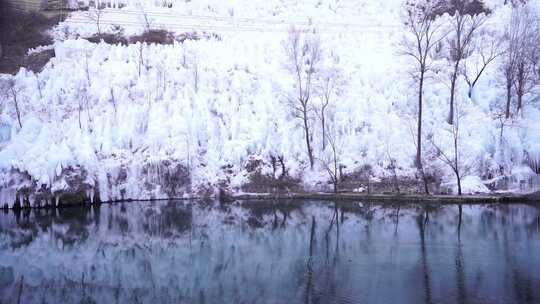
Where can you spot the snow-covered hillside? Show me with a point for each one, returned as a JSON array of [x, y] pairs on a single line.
[[143, 121]]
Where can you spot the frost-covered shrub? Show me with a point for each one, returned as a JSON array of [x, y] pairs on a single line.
[[261, 178], [154, 36], [113, 38]]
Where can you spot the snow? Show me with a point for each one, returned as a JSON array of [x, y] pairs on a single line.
[[40, 49], [469, 185], [213, 103]]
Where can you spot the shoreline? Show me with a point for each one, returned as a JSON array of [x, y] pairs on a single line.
[[397, 198], [343, 197]]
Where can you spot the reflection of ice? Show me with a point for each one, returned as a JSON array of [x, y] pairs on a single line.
[[172, 252]]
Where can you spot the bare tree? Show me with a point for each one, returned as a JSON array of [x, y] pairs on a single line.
[[425, 32], [332, 137], [325, 102], [488, 50], [525, 75], [461, 41], [95, 14], [392, 166], [276, 161], [113, 99], [142, 62], [196, 76], [303, 57], [83, 97], [329, 86], [11, 91], [508, 72], [521, 55], [145, 18], [452, 159], [334, 5], [330, 159]]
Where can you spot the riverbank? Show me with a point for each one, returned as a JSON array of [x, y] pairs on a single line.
[[405, 198], [344, 196]]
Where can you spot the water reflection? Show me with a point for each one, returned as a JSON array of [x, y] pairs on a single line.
[[271, 252]]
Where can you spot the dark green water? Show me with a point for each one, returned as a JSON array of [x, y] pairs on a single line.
[[271, 252]]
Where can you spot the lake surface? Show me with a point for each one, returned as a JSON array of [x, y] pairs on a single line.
[[271, 252]]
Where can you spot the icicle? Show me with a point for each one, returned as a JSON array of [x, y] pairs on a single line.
[[56, 200], [7, 197]]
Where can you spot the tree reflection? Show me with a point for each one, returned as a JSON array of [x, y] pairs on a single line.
[[170, 220], [309, 265], [459, 262], [422, 220]]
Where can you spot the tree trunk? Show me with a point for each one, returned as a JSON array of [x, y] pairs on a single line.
[[508, 97], [456, 156], [336, 177], [283, 168], [16, 106], [452, 94], [80, 110], [20, 291], [520, 91], [519, 101], [419, 131], [308, 141], [273, 162], [458, 182], [419, 165], [323, 129]]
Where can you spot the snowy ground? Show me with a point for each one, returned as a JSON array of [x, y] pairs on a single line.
[[156, 121]]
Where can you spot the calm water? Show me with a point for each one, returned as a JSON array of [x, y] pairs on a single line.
[[264, 252]]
